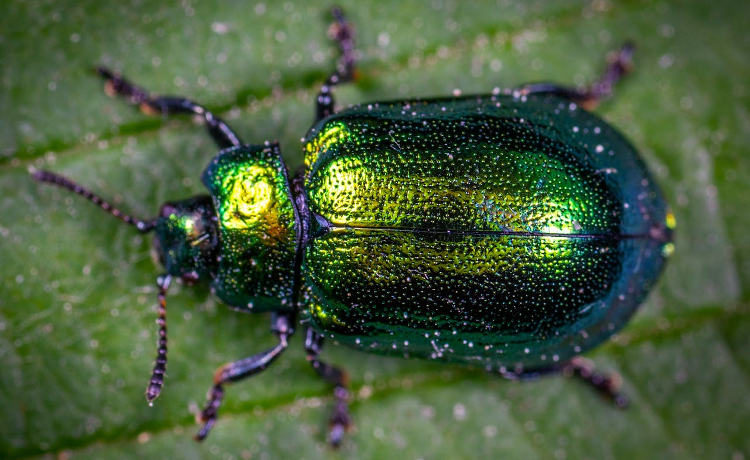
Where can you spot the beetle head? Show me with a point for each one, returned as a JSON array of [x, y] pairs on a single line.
[[186, 241]]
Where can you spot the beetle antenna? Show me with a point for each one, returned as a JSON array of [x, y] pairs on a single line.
[[143, 226], [160, 366]]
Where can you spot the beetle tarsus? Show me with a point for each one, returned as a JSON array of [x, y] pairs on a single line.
[[117, 85], [209, 413], [340, 421], [618, 65], [608, 385], [343, 33]]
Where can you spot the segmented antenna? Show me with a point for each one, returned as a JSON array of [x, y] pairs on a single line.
[[160, 365], [143, 226]]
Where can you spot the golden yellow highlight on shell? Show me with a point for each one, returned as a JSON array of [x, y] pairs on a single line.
[[249, 198], [334, 135]]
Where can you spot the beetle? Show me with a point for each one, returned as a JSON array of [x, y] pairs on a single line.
[[511, 231]]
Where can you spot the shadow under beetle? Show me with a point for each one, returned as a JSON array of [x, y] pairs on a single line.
[[511, 231]]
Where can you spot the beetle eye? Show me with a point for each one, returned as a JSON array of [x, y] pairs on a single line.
[[167, 210]]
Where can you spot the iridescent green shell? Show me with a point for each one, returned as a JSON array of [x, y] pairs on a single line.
[[257, 224], [493, 230]]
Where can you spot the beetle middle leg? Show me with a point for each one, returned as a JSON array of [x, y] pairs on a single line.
[[340, 419], [117, 85], [281, 327], [343, 33], [589, 97]]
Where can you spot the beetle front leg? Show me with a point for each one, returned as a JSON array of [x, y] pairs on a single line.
[[343, 33], [589, 97], [340, 420], [281, 326], [117, 85]]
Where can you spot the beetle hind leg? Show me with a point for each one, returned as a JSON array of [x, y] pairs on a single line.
[[607, 385], [340, 420], [281, 326], [618, 65], [343, 33], [117, 85]]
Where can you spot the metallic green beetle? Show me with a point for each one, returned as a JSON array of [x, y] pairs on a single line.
[[510, 231]]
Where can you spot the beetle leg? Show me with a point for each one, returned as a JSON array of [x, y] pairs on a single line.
[[618, 65], [343, 33], [116, 85], [340, 420], [281, 326], [608, 385]]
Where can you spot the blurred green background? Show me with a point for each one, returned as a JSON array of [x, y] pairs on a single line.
[[77, 288]]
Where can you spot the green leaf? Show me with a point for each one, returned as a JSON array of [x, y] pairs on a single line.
[[77, 299]]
